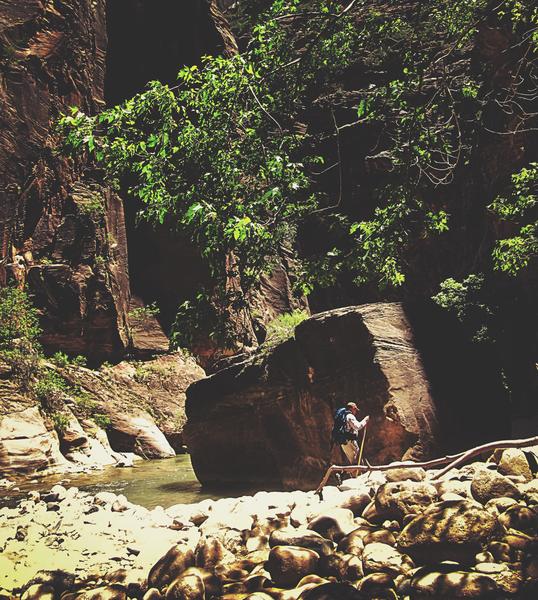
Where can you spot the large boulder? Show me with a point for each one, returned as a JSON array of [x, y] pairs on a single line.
[[270, 416], [448, 531]]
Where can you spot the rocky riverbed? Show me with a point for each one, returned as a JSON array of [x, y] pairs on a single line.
[[473, 533]]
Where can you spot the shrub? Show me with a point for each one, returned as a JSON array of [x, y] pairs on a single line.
[[283, 327], [18, 318], [60, 359], [80, 361], [19, 329], [101, 420], [61, 422], [93, 208], [24, 363], [141, 374], [142, 313], [49, 389], [466, 300]]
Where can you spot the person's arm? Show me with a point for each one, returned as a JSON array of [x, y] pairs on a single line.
[[355, 426]]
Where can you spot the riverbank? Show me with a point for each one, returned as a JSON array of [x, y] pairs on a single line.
[[472, 534], [149, 483]]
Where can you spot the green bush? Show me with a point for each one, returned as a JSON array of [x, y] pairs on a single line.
[[88, 408], [466, 300], [24, 362], [60, 359], [80, 361], [18, 318], [49, 390], [101, 420], [283, 327], [19, 329], [142, 313], [61, 422]]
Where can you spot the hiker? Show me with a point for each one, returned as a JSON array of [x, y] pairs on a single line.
[[346, 430]]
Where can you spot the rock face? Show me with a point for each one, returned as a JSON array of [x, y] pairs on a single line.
[[26, 445], [141, 406], [269, 418], [143, 401], [63, 229]]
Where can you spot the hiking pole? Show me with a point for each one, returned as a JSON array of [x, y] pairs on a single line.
[[362, 445]]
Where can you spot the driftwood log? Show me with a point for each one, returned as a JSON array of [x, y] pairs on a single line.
[[451, 461]]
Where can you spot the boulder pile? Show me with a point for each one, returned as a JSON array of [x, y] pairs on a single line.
[[472, 533]]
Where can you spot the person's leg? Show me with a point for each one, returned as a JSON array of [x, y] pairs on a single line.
[[351, 450]]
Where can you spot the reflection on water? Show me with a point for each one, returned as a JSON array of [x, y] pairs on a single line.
[[149, 483]]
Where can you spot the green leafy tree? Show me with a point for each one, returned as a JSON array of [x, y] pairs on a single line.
[[229, 155], [520, 208]]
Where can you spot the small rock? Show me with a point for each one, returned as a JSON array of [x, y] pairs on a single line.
[[382, 558], [289, 564], [521, 518], [332, 591], [490, 567], [405, 474], [354, 500], [377, 583], [210, 553], [170, 566], [514, 462], [500, 551], [39, 591], [395, 500], [499, 505], [304, 538], [333, 524], [104, 498], [457, 584], [488, 484], [120, 504], [186, 587], [484, 557]]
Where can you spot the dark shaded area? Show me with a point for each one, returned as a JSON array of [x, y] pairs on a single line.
[[152, 40], [465, 378]]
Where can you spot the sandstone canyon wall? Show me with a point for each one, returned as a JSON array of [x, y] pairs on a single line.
[[61, 228]]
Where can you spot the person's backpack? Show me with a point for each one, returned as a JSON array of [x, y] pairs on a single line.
[[339, 434]]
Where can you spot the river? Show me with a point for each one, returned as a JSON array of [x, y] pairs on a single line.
[[149, 483]]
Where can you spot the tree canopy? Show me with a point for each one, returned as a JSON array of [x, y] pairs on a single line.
[[236, 157]]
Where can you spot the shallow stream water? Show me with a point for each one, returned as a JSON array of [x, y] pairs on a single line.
[[149, 483]]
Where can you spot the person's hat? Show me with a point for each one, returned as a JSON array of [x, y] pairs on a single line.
[[352, 406]]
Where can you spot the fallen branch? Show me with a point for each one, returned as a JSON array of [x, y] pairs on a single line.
[[453, 460], [486, 448]]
